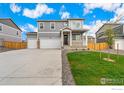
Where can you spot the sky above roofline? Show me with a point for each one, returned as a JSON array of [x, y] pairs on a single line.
[[95, 15]]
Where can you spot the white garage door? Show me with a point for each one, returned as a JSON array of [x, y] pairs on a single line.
[[50, 43], [32, 43], [120, 42]]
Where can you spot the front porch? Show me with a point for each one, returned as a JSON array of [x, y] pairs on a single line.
[[71, 39]]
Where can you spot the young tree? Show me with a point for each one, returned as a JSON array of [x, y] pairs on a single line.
[[109, 33]]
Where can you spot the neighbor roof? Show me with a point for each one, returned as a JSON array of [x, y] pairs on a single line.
[[9, 22], [113, 24]]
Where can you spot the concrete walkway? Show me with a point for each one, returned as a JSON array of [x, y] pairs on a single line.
[[31, 67]]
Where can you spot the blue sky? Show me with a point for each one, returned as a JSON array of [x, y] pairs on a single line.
[[25, 15]]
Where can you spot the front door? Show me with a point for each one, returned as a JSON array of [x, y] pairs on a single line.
[[65, 39]]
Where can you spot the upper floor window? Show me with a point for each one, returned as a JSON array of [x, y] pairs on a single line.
[[0, 28], [52, 25], [77, 24], [65, 24], [17, 33], [41, 25]]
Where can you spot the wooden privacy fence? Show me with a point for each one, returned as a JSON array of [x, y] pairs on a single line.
[[15, 45], [97, 46]]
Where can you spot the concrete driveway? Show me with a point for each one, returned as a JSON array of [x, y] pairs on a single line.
[[31, 67]]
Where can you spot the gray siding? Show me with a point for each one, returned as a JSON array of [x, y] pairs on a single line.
[[46, 26], [9, 34], [100, 35], [119, 31]]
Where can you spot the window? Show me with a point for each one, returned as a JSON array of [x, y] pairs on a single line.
[[76, 25], [52, 25], [41, 25], [17, 33], [76, 37], [0, 28], [73, 37], [65, 24]]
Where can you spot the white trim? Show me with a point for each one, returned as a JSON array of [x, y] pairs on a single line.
[[62, 36], [50, 25]]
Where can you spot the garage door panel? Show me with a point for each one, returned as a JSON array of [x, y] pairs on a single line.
[[32, 43], [50, 43]]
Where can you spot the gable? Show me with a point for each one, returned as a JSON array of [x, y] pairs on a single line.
[[10, 23]]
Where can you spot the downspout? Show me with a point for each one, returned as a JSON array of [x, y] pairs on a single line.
[[38, 42]]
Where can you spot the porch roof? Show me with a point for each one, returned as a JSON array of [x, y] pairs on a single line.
[[79, 30], [66, 29]]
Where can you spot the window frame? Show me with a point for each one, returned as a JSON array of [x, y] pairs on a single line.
[[65, 24], [17, 33], [50, 25], [1, 28], [74, 37], [40, 25], [76, 24]]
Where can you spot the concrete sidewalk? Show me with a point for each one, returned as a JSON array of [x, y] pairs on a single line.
[[31, 67]]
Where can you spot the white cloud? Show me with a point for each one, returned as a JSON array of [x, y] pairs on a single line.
[[94, 26], [105, 6], [38, 11], [15, 8], [63, 13], [28, 28], [117, 9], [118, 15]]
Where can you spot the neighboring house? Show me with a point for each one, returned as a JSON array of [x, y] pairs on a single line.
[[119, 34], [9, 31], [57, 34], [91, 39]]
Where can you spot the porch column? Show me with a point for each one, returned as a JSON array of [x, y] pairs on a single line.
[[61, 38], [82, 38], [70, 38], [86, 39]]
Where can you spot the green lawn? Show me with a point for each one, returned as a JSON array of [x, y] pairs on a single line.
[[88, 69]]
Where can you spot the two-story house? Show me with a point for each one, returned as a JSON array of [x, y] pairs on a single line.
[[119, 34], [57, 34], [9, 31]]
